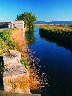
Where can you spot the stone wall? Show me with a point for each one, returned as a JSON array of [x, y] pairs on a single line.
[[15, 76]]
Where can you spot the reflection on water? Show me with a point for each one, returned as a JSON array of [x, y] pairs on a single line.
[[63, 39], [30, 37], [54, 52]]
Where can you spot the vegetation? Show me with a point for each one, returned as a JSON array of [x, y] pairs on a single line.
[[57, 28], [28, 19], [62, 37], [25, 62], [5, 41], [56, 31]]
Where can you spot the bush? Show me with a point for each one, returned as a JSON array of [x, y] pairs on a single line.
[[5, 36], [25, 62], [3, 46]]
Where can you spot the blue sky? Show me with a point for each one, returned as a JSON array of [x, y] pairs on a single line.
[[47, 10]]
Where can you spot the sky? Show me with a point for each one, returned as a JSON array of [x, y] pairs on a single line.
[[44, 10]]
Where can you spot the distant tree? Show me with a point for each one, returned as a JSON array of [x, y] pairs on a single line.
[[28, 19]]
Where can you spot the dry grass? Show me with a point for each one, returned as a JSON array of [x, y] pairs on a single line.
[[21, 45], [20, 41], [58, 27]]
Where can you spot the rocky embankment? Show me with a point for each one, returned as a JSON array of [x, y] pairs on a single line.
[[15, 76]]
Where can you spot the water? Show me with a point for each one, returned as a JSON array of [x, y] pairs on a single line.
[[56, 62]]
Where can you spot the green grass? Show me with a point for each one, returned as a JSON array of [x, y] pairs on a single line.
[[5, 41], [5, 36], [25, 62]]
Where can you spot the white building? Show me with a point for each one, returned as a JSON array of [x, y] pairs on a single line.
[[17, 24]]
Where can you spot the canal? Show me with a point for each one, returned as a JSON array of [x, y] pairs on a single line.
[[55, 62]]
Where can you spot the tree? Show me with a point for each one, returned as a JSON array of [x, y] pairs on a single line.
[[28, 19]]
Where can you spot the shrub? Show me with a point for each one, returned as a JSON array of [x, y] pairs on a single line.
[[25, 62], [3, 46], [5, 36]]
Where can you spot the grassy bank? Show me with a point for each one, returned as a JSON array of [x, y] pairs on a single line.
[[57, 28], [57, 32], [19, 43], [8, 43], [62, 37], [18, 37]]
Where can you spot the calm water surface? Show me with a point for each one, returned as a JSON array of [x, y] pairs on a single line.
[[56, 62]]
